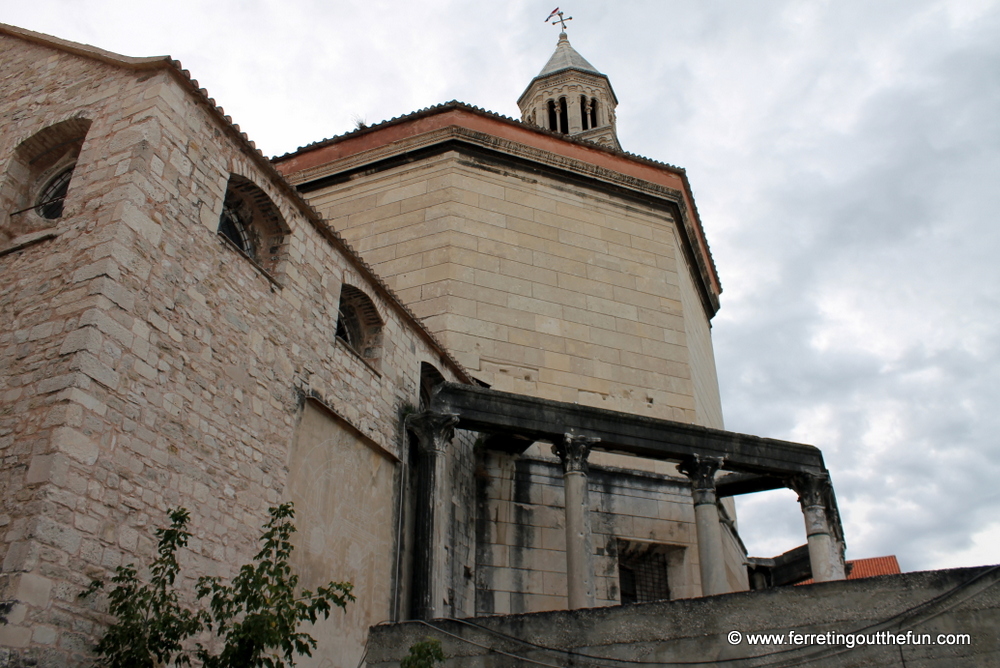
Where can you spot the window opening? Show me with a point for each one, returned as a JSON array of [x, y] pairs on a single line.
[[553, 124], [35, 185], [583, 111], [593, 112], [359, 324], [563, 116], [233, 227], [349, 327], [430, 378], [252, 222], [642, 573]]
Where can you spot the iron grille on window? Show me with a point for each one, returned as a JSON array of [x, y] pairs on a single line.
[[642, 575]]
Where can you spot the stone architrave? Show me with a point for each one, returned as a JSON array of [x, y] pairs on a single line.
[[434, 432], [573, 451], [701, 471], [826, 557]]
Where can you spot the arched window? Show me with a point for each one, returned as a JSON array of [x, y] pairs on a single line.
[[553, 122], [430, 378], [252, 222], [563, 116], [584, 111], [593, 112], [359, 325], [34, 190]]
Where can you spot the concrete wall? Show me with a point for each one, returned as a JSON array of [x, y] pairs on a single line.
[[147, 365], [938, 603]]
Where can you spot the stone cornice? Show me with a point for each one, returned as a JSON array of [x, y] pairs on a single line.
[[315, 177]]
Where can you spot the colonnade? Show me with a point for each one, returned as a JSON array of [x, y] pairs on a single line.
[[435, 430]]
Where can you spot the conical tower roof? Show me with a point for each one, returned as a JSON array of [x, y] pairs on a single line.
[[565, 58]]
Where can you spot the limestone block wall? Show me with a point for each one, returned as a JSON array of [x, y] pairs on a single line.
[[521, 550], [146, 364], [539, 284]]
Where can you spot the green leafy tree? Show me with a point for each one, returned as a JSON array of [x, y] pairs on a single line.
[[259, 613], [151, 622], [256, 616], [423, 654]]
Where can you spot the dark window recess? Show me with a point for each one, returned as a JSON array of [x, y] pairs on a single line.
[[563, 116], [359, 324], [349, 327], [593, 112], [583, 112], [553, 123], [50, 200], [642, 576], [234, 228]]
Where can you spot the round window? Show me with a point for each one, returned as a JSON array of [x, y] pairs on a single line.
[[50, 201]]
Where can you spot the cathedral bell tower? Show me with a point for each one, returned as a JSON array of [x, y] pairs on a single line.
[[570, 96]]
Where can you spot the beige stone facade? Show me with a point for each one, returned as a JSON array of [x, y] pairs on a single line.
[[566, 290], [191, 329], [147, 364]]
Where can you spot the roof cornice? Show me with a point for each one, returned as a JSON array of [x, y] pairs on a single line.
[[455, 121]]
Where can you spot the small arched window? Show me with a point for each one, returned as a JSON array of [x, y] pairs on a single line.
[[430, 378], [593, 112], [585, 111], [359, 324], [252, 223], [563, 116], [553, 120], [34, 190]]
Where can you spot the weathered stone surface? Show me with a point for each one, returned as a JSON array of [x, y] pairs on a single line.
[[937, 603]]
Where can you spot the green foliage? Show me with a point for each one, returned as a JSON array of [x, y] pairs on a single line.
[[256, 616], [423, 654], [151, 623], [259, 612]]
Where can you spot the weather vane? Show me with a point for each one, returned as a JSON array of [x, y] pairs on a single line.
[[560, 20]]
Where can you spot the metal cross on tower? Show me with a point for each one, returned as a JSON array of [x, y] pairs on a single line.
[[560, 20]]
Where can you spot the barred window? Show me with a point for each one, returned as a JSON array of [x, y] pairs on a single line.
[[643, 571], [359, 324], [252, 223]]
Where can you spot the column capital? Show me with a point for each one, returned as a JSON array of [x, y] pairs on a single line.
[[701, 471], [433, 430], [573, 451], [812, 489]]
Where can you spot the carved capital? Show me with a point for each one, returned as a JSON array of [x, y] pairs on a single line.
[[701, 471], [573, 451], [813, 490], [433, 430]]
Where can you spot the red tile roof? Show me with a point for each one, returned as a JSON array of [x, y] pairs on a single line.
[[867, 568]]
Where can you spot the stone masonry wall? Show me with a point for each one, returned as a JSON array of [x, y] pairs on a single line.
[[145, 363], [521, 555], [540, 285]]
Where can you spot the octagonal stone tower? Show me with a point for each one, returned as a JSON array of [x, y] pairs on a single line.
[[570, 96]]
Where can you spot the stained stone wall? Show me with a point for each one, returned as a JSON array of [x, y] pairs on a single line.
[[521, 558], [146, 364], [927, 614]]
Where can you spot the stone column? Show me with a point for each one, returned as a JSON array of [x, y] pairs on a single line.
[[573, 452], [826, 556], [701, 471], [434, 432]]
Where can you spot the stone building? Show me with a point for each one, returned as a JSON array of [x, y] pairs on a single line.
[[187, 323]]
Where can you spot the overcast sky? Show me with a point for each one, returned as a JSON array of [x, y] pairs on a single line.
[[844, 156]]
